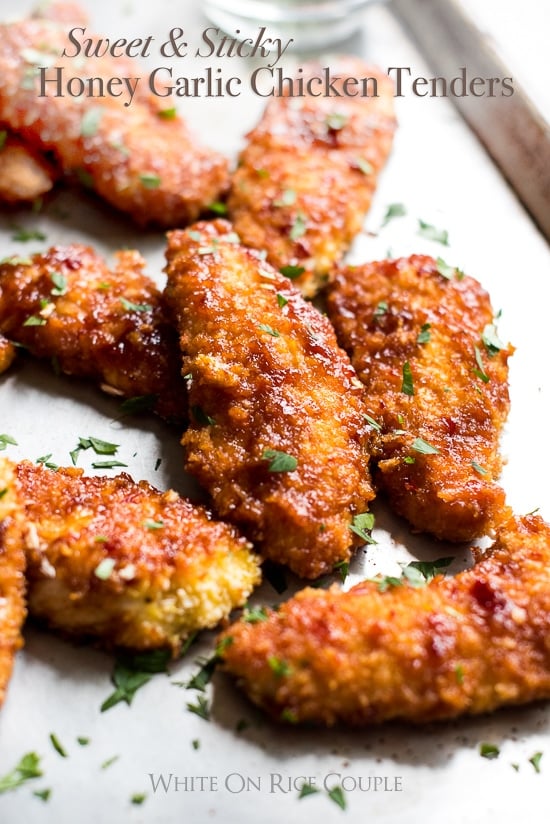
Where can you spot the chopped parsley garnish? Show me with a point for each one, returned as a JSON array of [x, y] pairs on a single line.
[[343, 568], [491, 340], [364, 166], [288, 197], [167, 114], [201, 417], [59, 284], [137, 404], [204, 675], [459, 674], [45, 460], [194, 235], [278, 666], [27, 768], [43, 795], [57, 745], [3, 138], [292, 272], [218, 207], [107, 464], [83, 741], [408, 459], [299, 227], [375, 425], [201, 708], [381, 309], [480, 371], [3, 492], [394, 210], [362, 525], [479, 469], [132, 672], [336, 794], [445, 270], [153, 525], [138, 798], [425, 448], [107, 763], [489, 751], [431, 232], [535, 761], [254, 615], [424, 335], [427, 569], [157, 463], [35, 320], [407, 386], [5, 440], [16, 260], [307, 789], [279, 461], [336, 121], [269, 329], [104, 569], [263, 173], [149, 180], [23, 235], [195, 743], [99, 447], [90, 121], [136, 307], [281, 300]]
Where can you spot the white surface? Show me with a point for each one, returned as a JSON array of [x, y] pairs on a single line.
[[440, 173]]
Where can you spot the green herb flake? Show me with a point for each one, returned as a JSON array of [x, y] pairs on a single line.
[[43, 795], [362, 525], [254, 615], [425, 448], [27, 768], [343, 568], [279, 667], [263, 173], [5, 440], [336, 121], [57, 745], [292, 272], [201, 417], [109, 761], [138, 404], [288, 197], [127, 681], [459, 674], [138, 798], [445, 270], [480, 371], [85, 178], [394, 210], [407, 386], [3, 492], [16, 260], [3, 138], [269, 329], [149, 180], [281, 300], [136, 307], [426, 569], [424, 335], [479, 469], [45, 461], [35, 320], [299, 227], [515, 767], [104, 569], [375, 425], [23, 235], [384, 582], [336, 794], [489, 751], [279, 461], [364, 166], [218, 207], [83, 741], [307, 789], [535, 761], [59, 284], [90, 121], [195, 743], [168, 114], [431, 232], [491, 340], [408, 459], [107, 464], [381, 309], [201, 708]]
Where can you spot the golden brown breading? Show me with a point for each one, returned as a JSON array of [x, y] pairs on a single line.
[[308, 173], [12, 580], [7, 354], [384, 313], [462, 645], [138, 157], [267, 377], [24, 174], [100, 323], [121, 562]]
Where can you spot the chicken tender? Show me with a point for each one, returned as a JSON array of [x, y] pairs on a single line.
[[422, 340], [137, 154], [278, 435], [24, 174], [308, 173], [96, 322], [12, 580], [121, 562], [462, 645]]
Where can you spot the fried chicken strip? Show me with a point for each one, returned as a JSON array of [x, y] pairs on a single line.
[[97, 322], [121, 562], [462, 645], [308, 172], [424, 345], [141, 157], [277, 435], [12, 580], [24, 174]]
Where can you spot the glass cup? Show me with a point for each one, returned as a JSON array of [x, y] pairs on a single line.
[[313, 24]]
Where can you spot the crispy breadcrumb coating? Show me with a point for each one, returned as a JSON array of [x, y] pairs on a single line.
[[120, 562], [309, 170], [12, 580], [107, 324], [277, 435], [24, 174], [462, 645], [392, 313], [139, 157]]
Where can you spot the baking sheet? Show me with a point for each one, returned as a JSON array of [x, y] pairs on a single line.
[[443, 176]]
